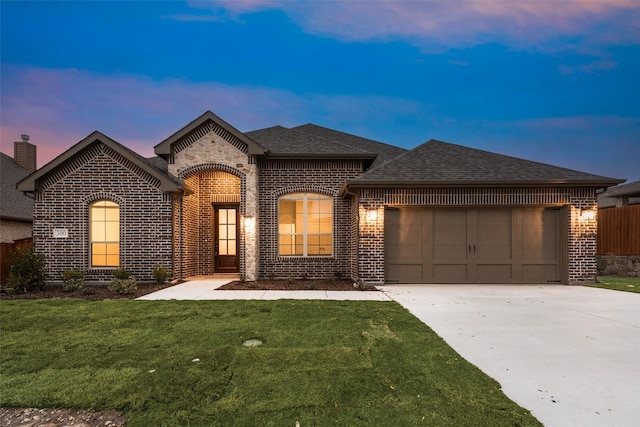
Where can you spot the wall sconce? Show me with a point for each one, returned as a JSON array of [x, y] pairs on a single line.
[[249, 223], [587, 214], [372, 215]]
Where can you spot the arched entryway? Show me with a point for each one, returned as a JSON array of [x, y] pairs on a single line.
[[209, 234]]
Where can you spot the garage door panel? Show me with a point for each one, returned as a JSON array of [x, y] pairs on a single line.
[[496, 273], [467, 245], [450, 273]]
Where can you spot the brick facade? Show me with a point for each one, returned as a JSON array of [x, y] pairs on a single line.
[[280, 177], [63, 203]]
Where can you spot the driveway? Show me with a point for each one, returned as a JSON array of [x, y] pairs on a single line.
[[570, 354]]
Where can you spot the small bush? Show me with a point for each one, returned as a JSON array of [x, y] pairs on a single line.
[[26, 273], [73, 280], [121, 273], [122, 283], [161, 274]]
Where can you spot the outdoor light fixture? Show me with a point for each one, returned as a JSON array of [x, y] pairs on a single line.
[[372, 215], [587, 214], [249, 223]]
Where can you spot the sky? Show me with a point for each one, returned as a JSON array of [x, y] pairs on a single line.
[[554, 81]]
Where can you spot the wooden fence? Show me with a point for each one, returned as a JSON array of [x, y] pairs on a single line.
[[6, 250], [619, 231]]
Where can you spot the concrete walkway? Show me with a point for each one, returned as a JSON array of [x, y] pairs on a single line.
[[205, 289], [570, 354]]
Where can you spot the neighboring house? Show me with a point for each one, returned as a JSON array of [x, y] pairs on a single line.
[[620, 195], [16, 208], [313, 202]]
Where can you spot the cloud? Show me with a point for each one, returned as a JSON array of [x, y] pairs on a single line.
[[435, 26], [59, 107]]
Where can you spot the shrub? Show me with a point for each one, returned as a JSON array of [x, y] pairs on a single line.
[[122, 282], [73, 280], [26, 273], [161, 274]]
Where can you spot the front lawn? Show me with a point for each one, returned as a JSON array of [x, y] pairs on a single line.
[[629, 284], [179, 363]]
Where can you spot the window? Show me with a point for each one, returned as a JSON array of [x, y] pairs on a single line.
[[104, 234], [305, 225]]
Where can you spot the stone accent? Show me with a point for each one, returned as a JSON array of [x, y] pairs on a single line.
[[214, 171], [619, 265], [63, 202]]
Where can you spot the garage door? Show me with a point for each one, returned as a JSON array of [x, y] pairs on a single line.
[[480, 245]]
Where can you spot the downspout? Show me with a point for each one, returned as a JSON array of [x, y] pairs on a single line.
[[356, 196]]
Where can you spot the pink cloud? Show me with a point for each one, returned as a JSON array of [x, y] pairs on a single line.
[[439, 25], [59, 107]]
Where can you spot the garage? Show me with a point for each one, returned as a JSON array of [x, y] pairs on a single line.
[[474, 245]]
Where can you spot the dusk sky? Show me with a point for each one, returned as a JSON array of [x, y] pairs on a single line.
[[554, 81]]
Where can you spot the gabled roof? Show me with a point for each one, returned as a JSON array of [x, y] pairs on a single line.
[[15, 204], [164, 148], [437, 163], [384, 151], [167, 182], [287, 143]]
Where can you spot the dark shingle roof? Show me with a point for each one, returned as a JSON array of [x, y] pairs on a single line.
[[280, 141], [15, 204], [384, 151], [441, 163]]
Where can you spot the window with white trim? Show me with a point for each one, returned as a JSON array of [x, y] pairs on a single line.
[[104, 234], [305, 225]]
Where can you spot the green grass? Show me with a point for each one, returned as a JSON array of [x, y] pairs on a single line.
[[322, 363], [628, 284]]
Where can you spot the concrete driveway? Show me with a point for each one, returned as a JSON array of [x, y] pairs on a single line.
[[570, 354]]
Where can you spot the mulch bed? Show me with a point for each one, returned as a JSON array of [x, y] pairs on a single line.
[[295, 285], [93, 292]]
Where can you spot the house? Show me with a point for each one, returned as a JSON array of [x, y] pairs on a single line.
[[16, 209], [620, 195], [312, 202]]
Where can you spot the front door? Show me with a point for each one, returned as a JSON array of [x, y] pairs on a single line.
[[226, 231]]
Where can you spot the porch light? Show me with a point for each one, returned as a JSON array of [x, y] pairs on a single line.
[[372, 215], [249, 223], [587, 214]]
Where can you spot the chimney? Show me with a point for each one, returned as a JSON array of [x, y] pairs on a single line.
[[24, 153]]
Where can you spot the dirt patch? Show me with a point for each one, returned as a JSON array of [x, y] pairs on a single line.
[[296, 285], [31, 417]]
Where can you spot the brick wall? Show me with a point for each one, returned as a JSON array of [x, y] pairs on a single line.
[[277, 178], [100, 173]]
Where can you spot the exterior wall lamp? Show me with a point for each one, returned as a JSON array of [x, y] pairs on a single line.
[[372, 215], [249, 223], [587, 214]]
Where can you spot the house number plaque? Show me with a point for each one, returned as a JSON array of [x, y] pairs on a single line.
[[60, 233]]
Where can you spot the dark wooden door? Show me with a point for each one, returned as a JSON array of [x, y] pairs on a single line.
[[226, 231]]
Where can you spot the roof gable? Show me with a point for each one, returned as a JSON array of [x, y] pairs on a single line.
[[441, 163], [166, 147], [167, 183]]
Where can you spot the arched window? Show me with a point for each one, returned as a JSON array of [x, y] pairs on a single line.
[[104, 234], [305, 225]]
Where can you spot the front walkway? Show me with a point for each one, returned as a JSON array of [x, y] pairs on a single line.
[[205, 289]]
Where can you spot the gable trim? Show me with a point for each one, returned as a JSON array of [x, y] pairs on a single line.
[[200, 127], [30, 183]]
